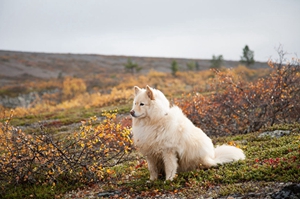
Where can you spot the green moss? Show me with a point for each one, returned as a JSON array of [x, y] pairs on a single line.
[[38, 191], [268, 160]]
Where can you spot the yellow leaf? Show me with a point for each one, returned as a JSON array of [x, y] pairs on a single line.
[[109, 171], [101, 135]]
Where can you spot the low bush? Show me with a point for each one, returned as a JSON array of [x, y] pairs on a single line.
[[42, 158], [237, 106]]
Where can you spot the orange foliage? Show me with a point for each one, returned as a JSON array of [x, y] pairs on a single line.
[[237, 106], [83, 100], [73, 87]]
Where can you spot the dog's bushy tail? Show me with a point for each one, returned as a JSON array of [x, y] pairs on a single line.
[[225, 154]]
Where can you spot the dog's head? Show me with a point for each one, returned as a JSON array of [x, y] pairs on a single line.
[[148, 102]]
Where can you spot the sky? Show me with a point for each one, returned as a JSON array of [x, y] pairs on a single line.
[[196, 29]]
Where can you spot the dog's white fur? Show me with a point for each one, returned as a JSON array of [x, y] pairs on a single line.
[[170, 142]]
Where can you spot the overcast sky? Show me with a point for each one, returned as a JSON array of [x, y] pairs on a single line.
[[156, 28]]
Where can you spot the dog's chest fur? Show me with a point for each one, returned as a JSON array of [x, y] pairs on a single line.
[[151, 139]]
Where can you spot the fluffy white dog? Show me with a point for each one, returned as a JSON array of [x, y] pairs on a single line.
[[170, 142]]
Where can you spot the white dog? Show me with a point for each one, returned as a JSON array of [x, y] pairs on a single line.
[[170, 142]]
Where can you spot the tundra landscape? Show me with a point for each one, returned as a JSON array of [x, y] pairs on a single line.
[[65, 127]]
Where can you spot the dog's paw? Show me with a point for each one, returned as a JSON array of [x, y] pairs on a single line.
[[171, 177], [152, 178]]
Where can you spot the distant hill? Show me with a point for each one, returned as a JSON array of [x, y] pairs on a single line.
[[20, 66]]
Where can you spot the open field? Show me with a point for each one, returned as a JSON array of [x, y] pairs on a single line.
[[23, 66], [65, 127]]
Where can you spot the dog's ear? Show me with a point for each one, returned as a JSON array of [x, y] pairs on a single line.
[[150, 92], [136, 90]]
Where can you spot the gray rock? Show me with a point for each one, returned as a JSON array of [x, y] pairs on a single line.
[[24, 100], [273, 134], [289, 192]]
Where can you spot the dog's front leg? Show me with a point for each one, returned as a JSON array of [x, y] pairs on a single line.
[[170, 161], [152, 166]]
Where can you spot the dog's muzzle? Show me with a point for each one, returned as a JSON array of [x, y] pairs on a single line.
[[132, 113]]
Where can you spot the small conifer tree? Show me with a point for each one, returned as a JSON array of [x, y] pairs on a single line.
[[248, 56]]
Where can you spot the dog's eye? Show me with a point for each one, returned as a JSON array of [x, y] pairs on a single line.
[[142, 104]]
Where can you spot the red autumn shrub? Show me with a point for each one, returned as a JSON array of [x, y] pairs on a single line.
[[237, 106]]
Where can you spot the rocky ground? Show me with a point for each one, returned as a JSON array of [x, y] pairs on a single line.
[[270, 190]]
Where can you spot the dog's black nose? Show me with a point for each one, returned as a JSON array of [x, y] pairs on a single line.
[[132, 112]]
